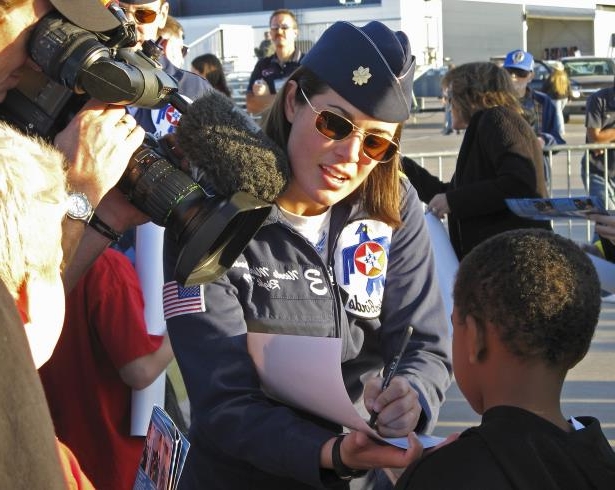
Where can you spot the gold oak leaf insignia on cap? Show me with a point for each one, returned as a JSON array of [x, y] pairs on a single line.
[[361, 75]]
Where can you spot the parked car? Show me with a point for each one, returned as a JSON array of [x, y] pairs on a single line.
[[587, 74]]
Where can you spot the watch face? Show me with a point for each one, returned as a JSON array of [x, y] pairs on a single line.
[[79, 206]]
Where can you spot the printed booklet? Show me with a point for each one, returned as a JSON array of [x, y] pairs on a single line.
[[557, 207], [164, 454]]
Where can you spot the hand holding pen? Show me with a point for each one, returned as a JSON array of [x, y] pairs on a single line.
[[406, 397]]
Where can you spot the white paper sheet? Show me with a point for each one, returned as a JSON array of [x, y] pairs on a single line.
[[446, 262], [306, 373], [606, 272], [148, 263]]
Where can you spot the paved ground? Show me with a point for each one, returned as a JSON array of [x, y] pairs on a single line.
[[590, 386]]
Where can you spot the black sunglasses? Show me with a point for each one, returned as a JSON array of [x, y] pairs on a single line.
[[142, 16], [517, 72], [336, 128]]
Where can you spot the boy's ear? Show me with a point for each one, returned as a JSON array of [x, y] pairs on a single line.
[[475, 337]]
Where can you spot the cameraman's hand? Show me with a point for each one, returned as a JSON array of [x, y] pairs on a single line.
[[118, 212], [98, 142]]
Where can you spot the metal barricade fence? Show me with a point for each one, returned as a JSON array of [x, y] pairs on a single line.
[[565, 163]]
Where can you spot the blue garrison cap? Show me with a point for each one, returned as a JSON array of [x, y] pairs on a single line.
[[372, 67], [519, 59]]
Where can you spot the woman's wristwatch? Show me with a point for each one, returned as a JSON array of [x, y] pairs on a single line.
[[341, 470]]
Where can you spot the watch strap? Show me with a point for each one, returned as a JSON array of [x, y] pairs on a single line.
[[103, 228], [341, 470]]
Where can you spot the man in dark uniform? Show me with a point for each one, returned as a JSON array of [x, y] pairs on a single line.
[[270, 73]]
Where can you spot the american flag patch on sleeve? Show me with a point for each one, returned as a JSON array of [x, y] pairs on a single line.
[[178, 300]]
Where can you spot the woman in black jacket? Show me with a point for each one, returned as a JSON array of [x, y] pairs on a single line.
[[499, 158]]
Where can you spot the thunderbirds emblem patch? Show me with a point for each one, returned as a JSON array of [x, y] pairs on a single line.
[[361, 261]]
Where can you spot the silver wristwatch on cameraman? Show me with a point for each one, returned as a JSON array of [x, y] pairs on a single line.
[[79, 207]]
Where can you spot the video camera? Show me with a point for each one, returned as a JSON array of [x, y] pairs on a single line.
[[210, 230]]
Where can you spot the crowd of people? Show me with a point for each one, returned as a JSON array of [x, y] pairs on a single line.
[[344, 253]]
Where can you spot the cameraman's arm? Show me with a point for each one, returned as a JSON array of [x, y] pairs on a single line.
[[115, 211], [97, 143]]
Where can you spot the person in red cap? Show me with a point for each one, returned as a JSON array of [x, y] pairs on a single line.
[[344, 253]]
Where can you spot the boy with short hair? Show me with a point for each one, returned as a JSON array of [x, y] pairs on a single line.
[[526, 306]]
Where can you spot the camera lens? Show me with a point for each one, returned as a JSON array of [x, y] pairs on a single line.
[[160, 190], [210, 230]]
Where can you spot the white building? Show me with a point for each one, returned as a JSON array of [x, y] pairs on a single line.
[[439, 30]]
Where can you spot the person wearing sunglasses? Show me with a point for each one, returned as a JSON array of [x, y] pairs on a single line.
[[150, 19], [538, 108], [270, 72], [499, 158], [171, 38], [345, 253], [147, 16]]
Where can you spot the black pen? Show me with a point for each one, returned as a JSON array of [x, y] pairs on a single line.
[[392, 370]]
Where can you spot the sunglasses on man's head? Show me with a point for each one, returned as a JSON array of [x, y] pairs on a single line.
[[336, 128], [142, 16]]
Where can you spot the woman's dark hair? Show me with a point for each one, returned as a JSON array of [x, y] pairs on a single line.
[[210, 67], [380, 192]]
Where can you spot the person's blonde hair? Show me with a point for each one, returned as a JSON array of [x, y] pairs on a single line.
[[33, 203], [560, 82]]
